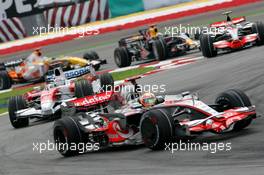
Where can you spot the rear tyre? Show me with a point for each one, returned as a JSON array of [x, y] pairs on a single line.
[[5, 80], [122, 57], [15, 104], [107, 81], [207, 46], [159, 49], [157, 128], [92, 55], [83, 88], [258, 28], [235, 98], [2, 66], [96, 67], [66, 133], [197, 36]]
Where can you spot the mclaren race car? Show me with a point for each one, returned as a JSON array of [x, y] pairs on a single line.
[[46, 103], [148, 44], [35, 67], [153, 121], [232, 34]]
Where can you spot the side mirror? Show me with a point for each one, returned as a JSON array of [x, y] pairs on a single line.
[[160, 99]]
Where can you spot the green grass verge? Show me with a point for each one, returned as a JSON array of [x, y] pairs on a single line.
[[130, 73], [116, 75], [4, 96], [3, 110]]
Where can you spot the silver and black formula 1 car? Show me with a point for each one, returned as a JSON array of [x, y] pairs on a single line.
[[172, 118], [232, 34]]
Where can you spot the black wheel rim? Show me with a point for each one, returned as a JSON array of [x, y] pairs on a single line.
[[149, 132], [155, 50], [60, 140], [118, 59]]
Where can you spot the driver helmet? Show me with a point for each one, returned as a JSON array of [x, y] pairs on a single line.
[[38, 52], [153, 31], [148, 99]]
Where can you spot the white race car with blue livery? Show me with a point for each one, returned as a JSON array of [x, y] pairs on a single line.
[[45, 103]]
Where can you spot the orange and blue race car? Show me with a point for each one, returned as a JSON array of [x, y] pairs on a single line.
[[35, 67]]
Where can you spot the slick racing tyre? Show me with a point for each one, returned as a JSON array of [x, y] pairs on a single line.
[[235, 98], [83, 88], [2, 67], [258, 28], [5, 80], [67, 134], [159, 49], [122, 57], [92, 55], [107, 82], [157, 128], [15, 104], [96, 67], [207, 46]]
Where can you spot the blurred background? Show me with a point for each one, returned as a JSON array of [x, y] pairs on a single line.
[[19, 18]]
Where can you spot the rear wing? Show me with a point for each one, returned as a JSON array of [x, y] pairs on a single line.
[[225, 23], [69, 74]]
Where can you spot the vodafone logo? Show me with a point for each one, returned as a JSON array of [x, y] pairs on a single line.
[[93, 100]]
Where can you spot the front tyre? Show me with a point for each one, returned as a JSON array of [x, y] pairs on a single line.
[[258, 28], [15, 104], [67, 136], [5, 80], [235, 98], [122, 57], [157, 129], [207, 46]]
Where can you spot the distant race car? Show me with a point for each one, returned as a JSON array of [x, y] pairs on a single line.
[[46, 103], [171, 117], [232, 34], [148, 44], [35, 67]]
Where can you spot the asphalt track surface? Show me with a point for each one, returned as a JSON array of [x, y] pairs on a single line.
[[208, 77]]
